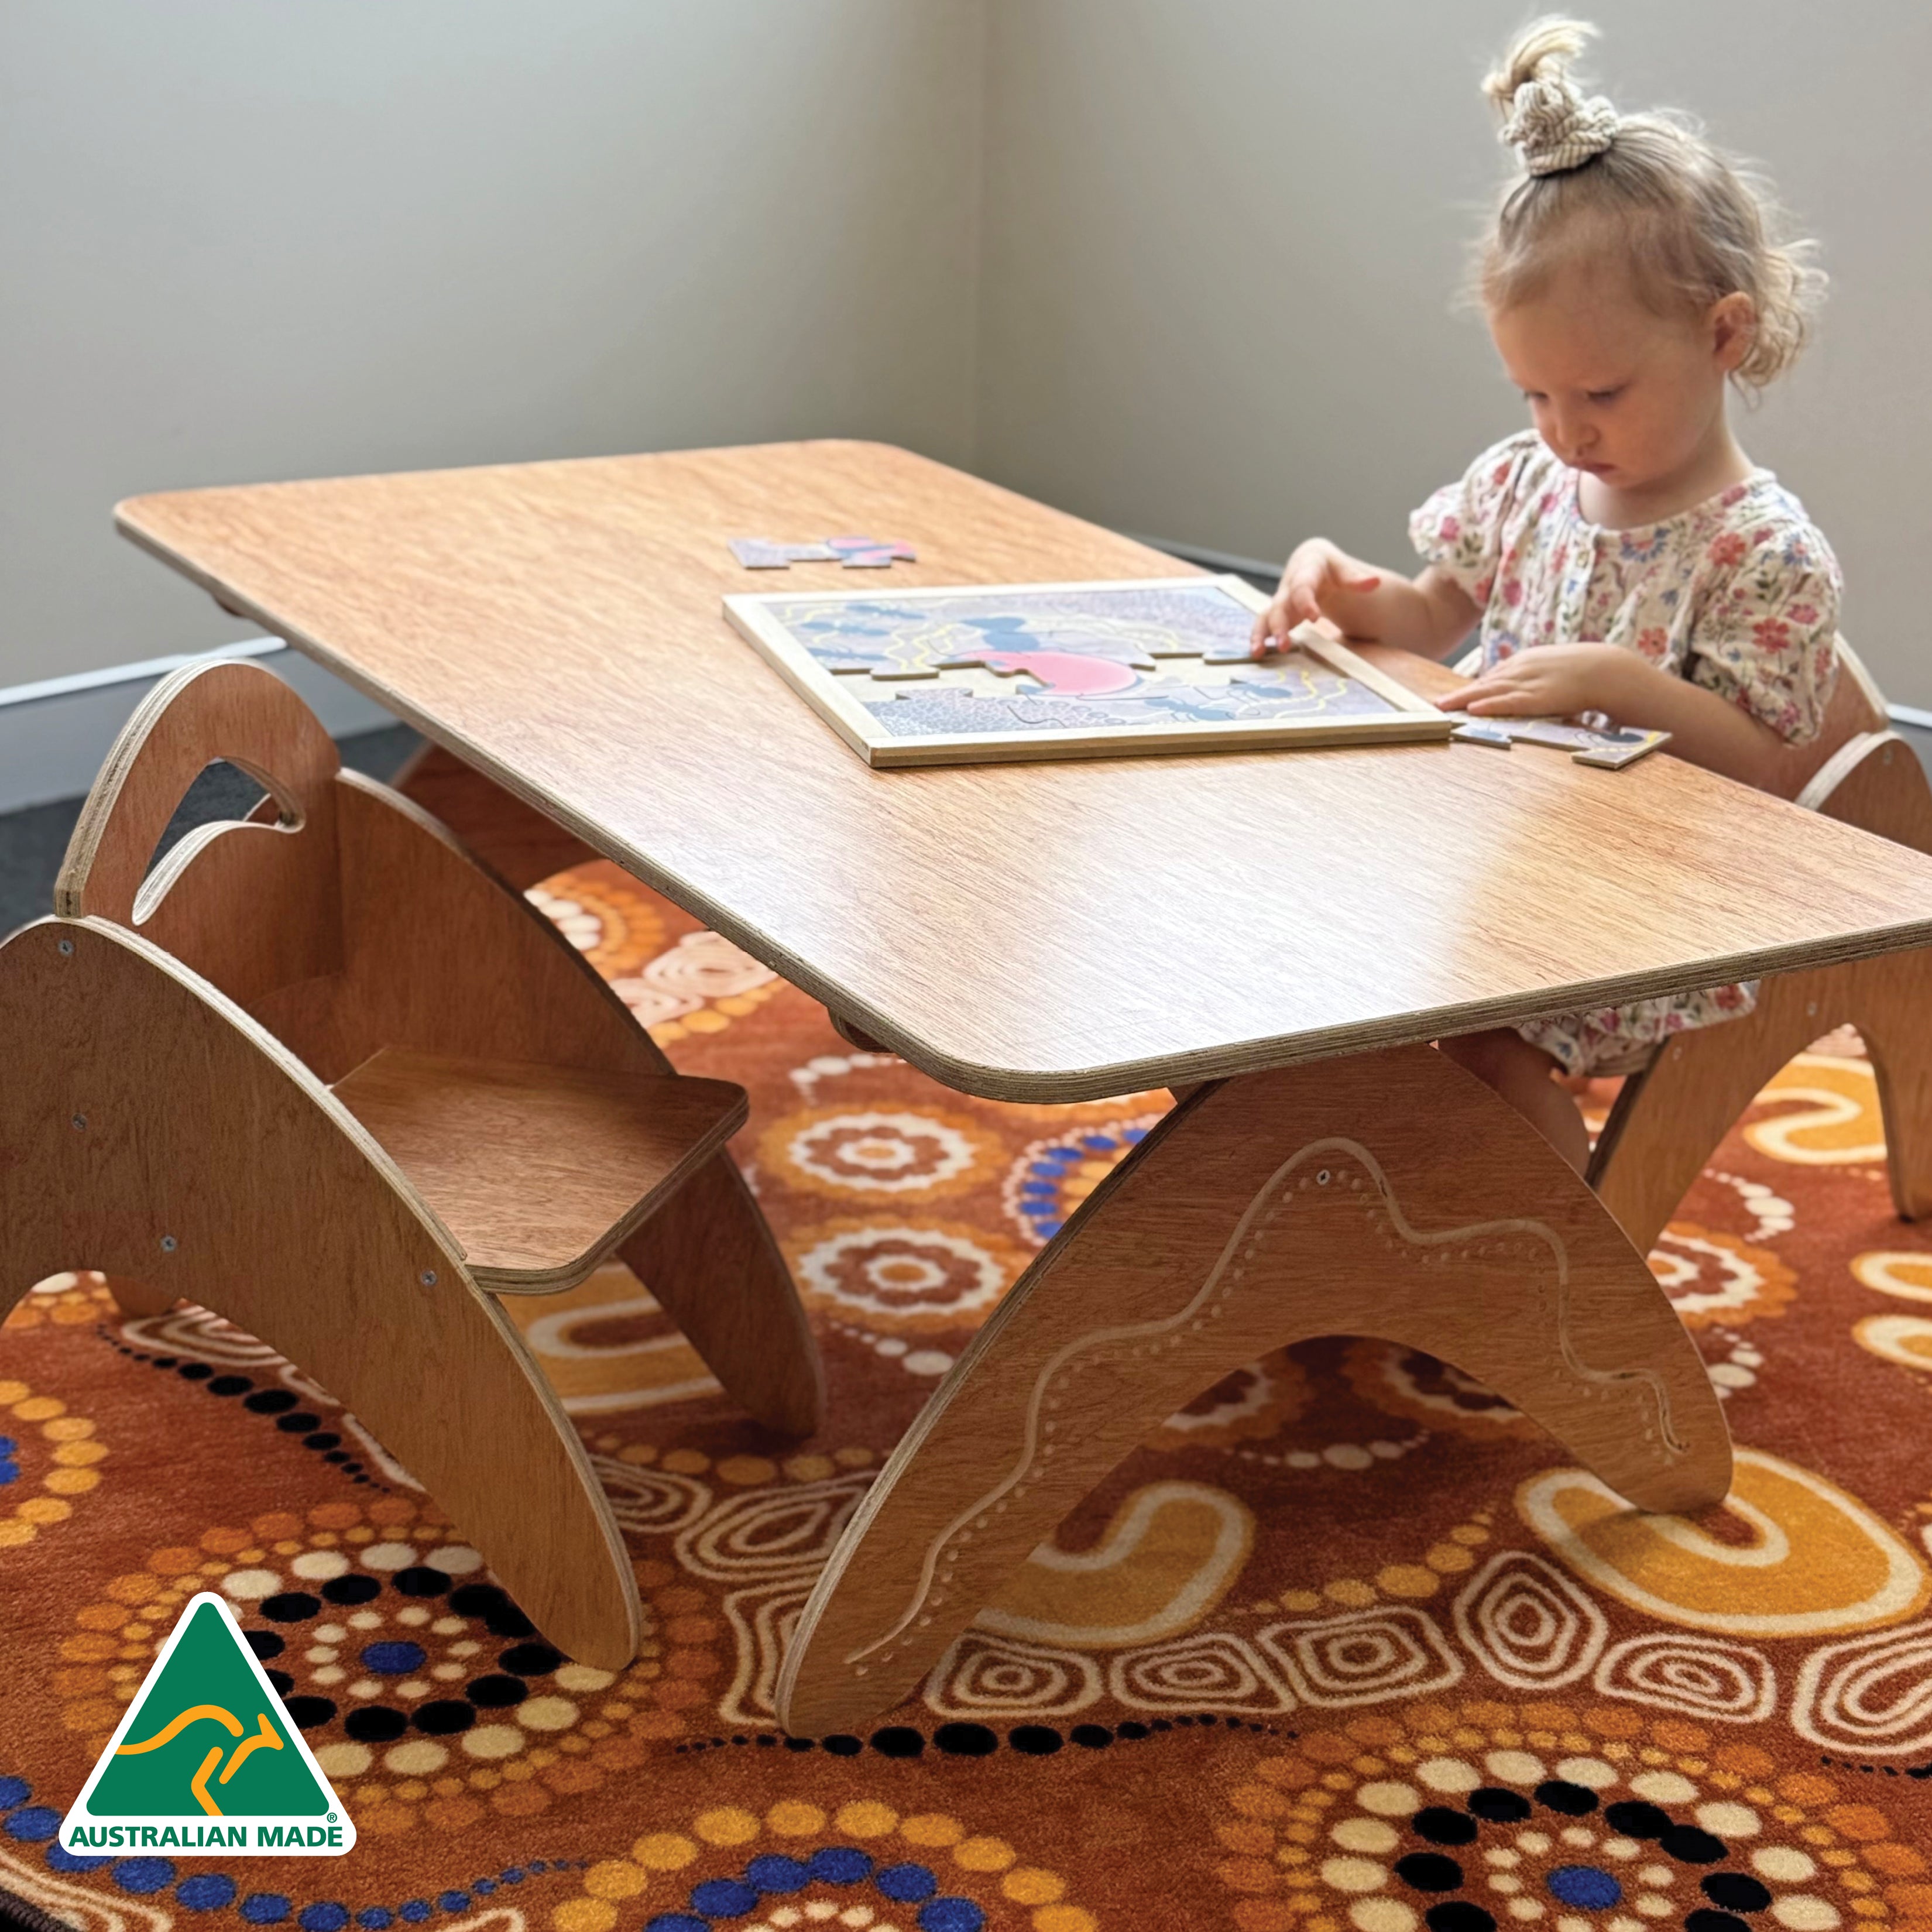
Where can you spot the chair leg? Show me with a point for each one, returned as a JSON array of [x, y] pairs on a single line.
[[1891, 1002], [1669, 1119], [708, 1258], [514, 840], [1390, 1194]]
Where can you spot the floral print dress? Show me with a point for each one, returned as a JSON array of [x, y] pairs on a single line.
[[1738, 594]]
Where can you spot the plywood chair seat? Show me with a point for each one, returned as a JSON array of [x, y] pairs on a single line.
[[537, 1171]]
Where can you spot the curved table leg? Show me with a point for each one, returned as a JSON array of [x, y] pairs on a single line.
[[1669, 1119], [152, 1131], [1391, 1194], [708, 1258]]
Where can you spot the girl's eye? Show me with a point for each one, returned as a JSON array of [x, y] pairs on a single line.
[[1605, 395]]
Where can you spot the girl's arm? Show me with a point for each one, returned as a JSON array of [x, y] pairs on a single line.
[[1430, 615], [1559, 680]]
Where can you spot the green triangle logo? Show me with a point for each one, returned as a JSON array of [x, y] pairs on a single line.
[[206, 1757]]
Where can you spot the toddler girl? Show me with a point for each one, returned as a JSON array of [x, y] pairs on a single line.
[[1625, 556]]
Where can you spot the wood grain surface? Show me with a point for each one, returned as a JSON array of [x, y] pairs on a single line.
[[537, 1171], [150, 1129], [264, 909], [1390, 1194], [1040, 932], [514, 840]]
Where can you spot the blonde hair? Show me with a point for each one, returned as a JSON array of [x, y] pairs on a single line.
[[1693, 224]]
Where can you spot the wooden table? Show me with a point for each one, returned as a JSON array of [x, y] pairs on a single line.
[[1277, 936]]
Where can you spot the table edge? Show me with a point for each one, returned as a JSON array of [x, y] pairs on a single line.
[[1049, 1085]]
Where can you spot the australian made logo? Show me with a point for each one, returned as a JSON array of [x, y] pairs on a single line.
[[206, 1759]]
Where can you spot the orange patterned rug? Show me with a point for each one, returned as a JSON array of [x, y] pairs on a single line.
[[1348, 1647]]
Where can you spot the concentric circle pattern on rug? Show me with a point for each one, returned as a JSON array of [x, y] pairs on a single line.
[[1347, 1646]]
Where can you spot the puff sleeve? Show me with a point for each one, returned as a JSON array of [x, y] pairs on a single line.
[[1766, 635], [1459, 529]]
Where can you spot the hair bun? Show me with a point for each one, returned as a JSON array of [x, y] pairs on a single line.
[[1548, 120]]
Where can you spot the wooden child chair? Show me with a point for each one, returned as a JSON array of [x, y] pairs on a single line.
[[1673, 1110], [322, 1073]]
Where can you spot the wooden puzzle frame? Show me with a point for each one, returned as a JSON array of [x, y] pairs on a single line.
[[1409, 718]]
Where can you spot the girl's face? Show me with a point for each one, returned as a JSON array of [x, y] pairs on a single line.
[[1616, 390]]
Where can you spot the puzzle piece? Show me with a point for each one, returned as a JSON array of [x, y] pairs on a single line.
[[1609, 750], [762, 553], [864, 553]]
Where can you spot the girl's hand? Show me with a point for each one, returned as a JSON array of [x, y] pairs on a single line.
[[1550, 681], [1310, 585]]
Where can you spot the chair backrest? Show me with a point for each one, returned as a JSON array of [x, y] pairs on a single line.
[[250, 904]]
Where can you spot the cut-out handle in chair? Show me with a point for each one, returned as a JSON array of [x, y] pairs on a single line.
[[272, 915]]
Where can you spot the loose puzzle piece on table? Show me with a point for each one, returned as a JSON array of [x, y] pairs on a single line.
[[1611, 748], [855, 552]]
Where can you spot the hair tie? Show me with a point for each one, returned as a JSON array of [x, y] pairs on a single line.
[[1555, 129]]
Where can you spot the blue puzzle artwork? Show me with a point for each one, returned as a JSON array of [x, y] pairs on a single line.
[[1057, 663]]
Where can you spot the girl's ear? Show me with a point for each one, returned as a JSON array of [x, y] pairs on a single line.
[[1732, 323]]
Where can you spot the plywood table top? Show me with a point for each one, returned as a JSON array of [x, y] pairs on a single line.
[[1038, 932]]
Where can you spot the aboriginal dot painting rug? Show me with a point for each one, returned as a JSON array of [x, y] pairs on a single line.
[[1346, 1647]]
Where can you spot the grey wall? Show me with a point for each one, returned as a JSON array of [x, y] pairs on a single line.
[[1221, 238], [241, 239], [1207, 295]]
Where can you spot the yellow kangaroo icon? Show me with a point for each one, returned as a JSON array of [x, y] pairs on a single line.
[[198, 1784]]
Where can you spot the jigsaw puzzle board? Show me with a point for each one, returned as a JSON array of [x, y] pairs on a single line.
[[988, 673]]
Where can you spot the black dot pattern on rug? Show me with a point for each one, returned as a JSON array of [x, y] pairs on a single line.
[[499, 1616], [1635, 1818], [1442, 1826], [374, 1724], [1574, 1800], [530, 1659], [1458, 1915], [1036, 1740], [1735, 1891], [1429, 1871], [497, 1693], [445, 1717], [1578, 1883], [277, 1403], [1690, 1845], [1499, 1806], [968, 1740]]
